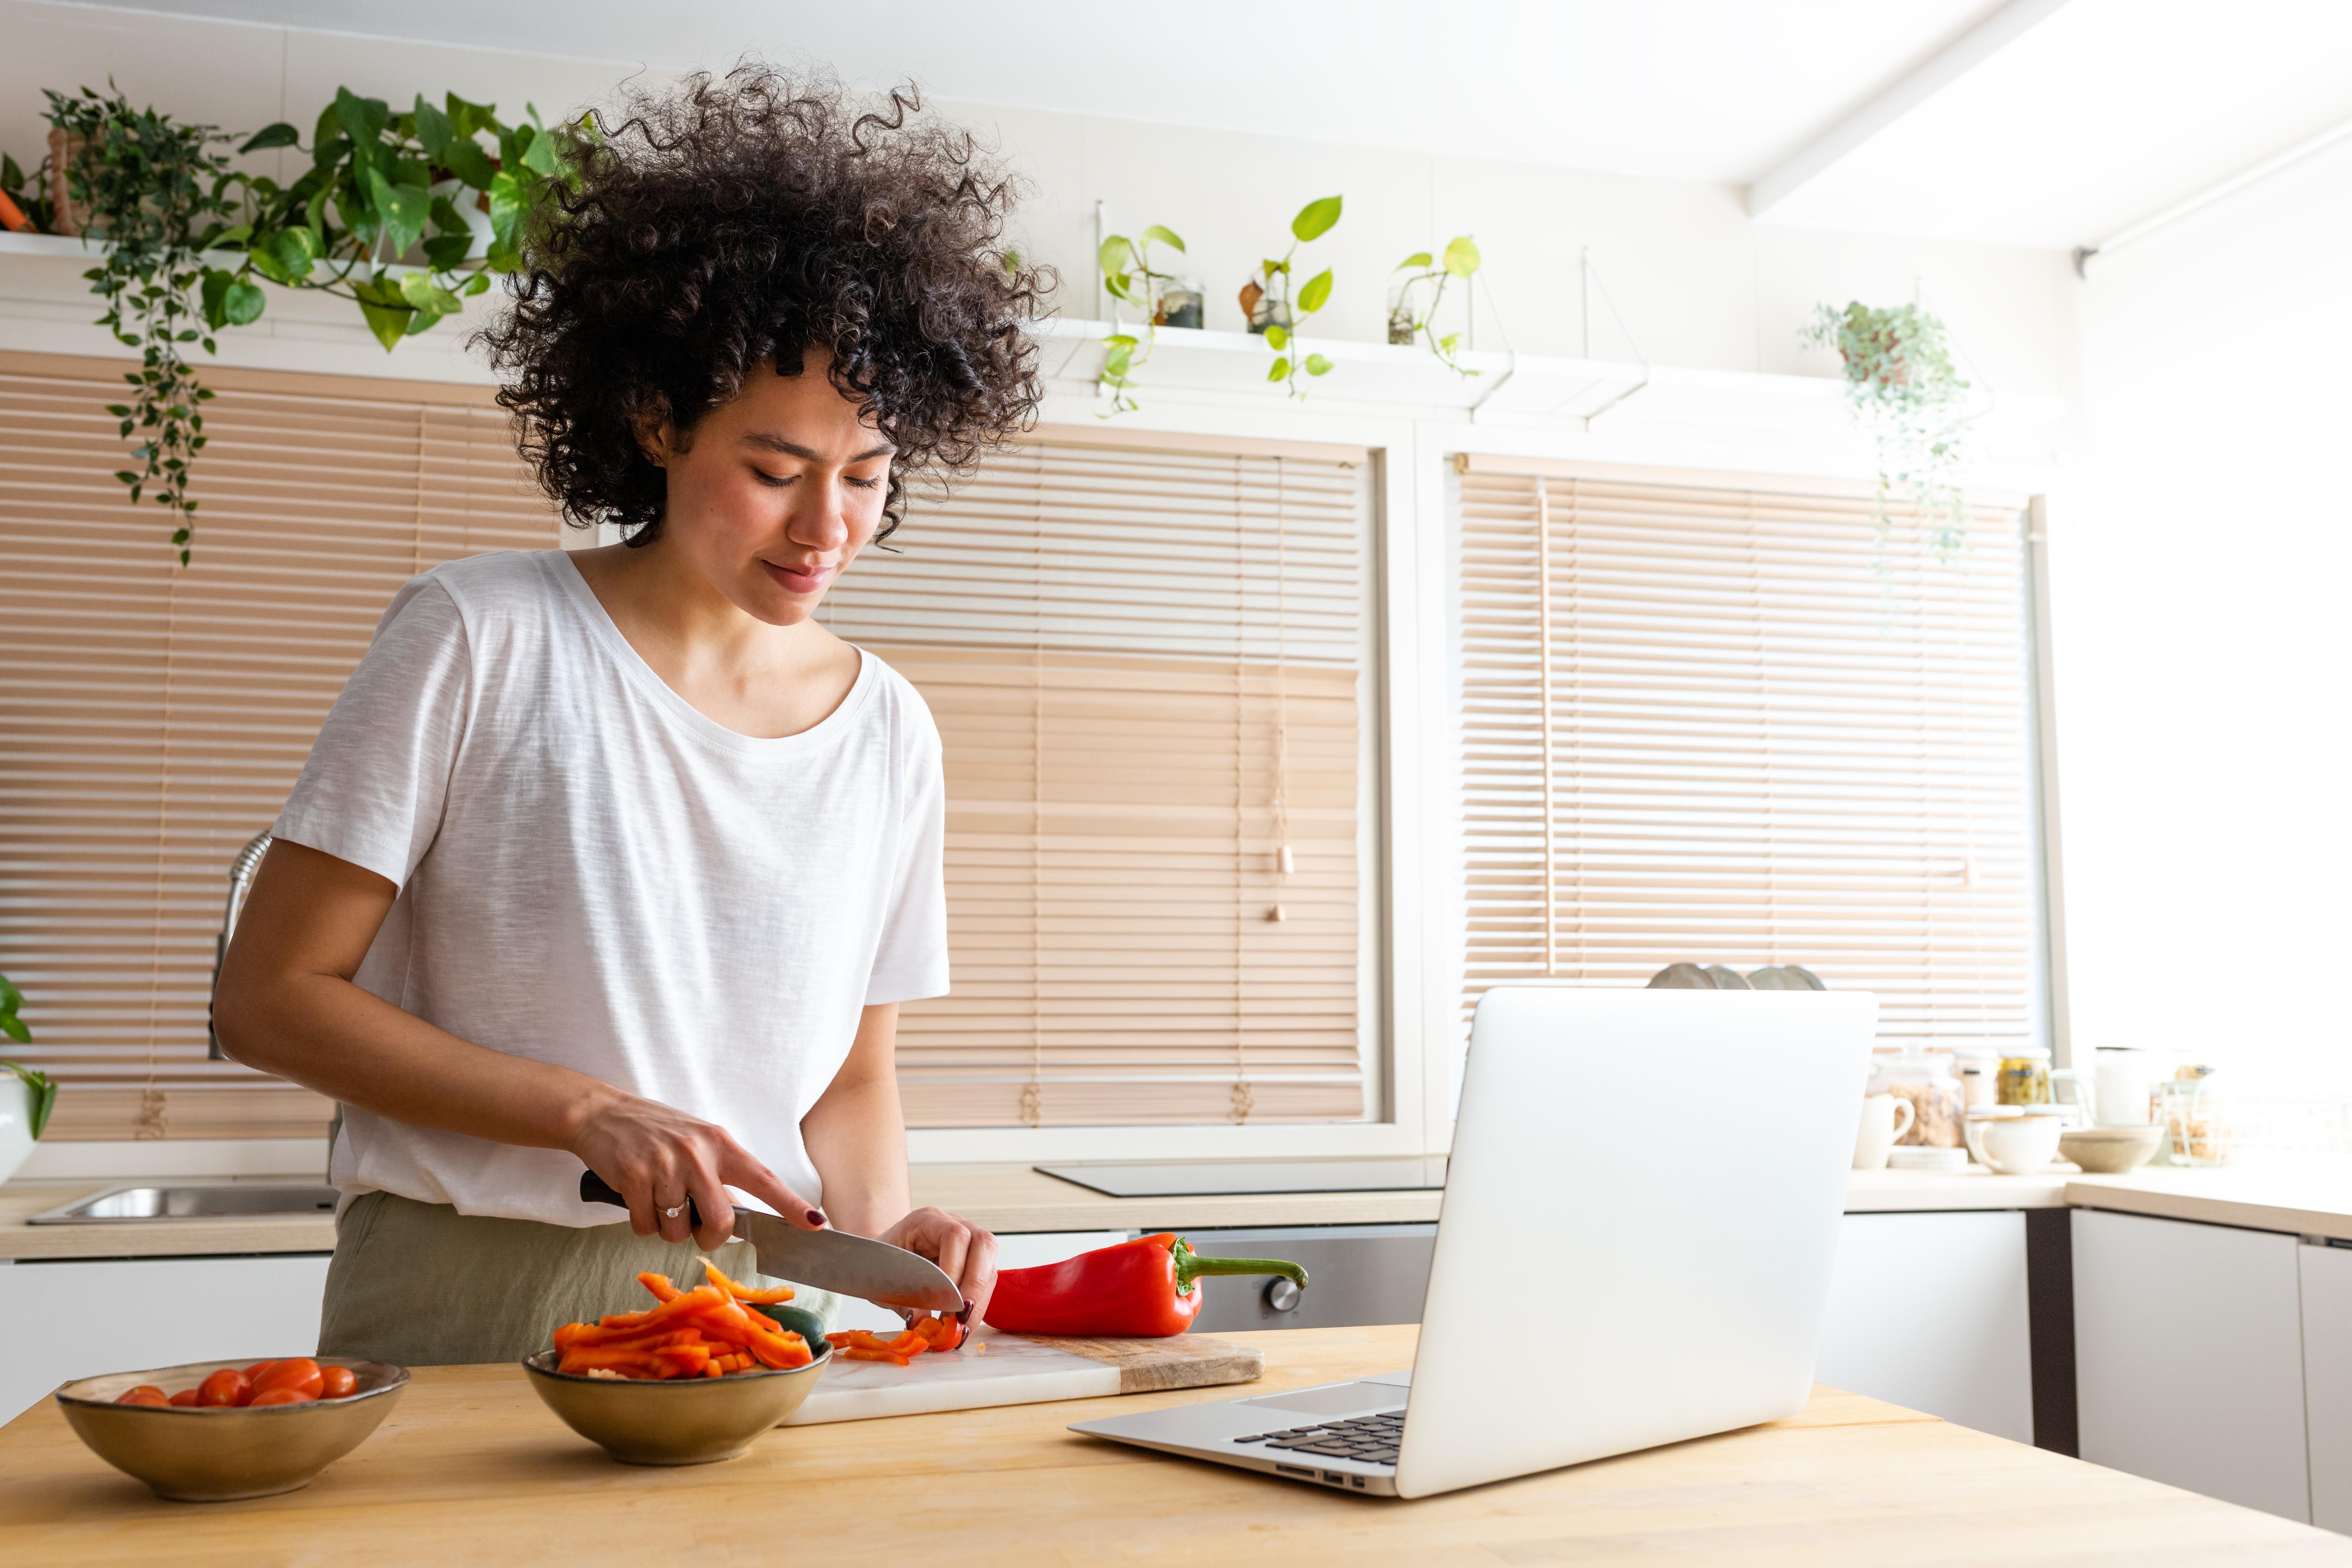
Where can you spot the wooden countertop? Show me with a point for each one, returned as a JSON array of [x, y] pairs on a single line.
[[2313, 1197], [472, 1470]]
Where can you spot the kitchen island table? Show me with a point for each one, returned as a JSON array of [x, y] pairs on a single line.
[[472, 1470]]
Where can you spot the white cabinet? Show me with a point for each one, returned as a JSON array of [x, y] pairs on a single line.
[[1928, 1311], [2326, 1274], [68, 1319], [2189, 1357]]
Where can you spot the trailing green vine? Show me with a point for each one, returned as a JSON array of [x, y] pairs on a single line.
[[1127, 275], [1269, 308], [407, 214], [1902, 383]]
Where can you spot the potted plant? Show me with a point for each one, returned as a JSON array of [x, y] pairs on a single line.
[[1409, 320], [27, 1096], [1902, 385], [1166, 299], [403, 214], [1270, 308]]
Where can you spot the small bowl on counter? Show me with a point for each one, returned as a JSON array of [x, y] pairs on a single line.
[[2109, 1150], [682, 1420], [198, 1454]]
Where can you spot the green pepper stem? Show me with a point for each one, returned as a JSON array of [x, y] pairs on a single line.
[[1192, 1265]]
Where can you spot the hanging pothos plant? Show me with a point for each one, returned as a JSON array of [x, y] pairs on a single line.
[[406, 214], [1127, 275], [1408, 323], [1270, 308], [1901, 382]]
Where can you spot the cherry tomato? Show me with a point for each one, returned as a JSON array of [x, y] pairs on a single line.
[[226, 1387], [283, 1395], [299, 1373], [253, 1373], [145, 1393], [336, 1382], [184, 1397]]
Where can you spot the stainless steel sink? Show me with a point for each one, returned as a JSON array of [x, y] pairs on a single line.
[[240, 1200]]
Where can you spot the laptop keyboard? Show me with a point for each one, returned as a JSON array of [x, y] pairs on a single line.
[[1370, 1439]]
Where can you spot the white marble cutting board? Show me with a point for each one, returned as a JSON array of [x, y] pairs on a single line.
[[993, 1368]]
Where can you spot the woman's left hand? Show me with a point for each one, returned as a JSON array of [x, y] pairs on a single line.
[[964, 1252]]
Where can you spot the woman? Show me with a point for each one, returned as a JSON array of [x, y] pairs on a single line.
[[616, 857]]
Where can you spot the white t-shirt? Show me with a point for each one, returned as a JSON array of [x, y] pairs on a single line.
[[591, 872]]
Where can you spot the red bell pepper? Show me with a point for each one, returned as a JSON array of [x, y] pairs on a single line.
[[1147, 1288]]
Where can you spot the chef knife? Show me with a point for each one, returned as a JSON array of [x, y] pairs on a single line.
[[829, 1259]]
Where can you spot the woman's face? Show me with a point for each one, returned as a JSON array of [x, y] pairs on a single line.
[[775, 492]]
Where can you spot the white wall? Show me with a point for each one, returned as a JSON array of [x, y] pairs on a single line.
[[2203, 650]]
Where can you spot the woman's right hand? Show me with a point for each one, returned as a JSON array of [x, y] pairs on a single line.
[[661, 1160]]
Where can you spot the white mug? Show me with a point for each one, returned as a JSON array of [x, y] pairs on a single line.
[[1880, 1130], [2013, 1145]]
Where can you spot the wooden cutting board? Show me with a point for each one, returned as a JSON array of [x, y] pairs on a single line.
[[993, 1368]]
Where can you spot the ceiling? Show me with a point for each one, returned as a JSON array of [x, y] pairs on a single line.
[[2043, 122]]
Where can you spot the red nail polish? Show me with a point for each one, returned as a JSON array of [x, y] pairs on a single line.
[[814, 1217]]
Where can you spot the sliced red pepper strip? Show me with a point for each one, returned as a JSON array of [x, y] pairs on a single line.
[[774, 1295]]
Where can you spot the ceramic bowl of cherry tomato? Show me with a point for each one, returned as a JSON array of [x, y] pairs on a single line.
[[213, 1431]]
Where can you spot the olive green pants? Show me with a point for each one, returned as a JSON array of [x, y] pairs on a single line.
[[422, 1285]]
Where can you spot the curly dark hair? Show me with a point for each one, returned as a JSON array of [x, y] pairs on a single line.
[[728, 223]]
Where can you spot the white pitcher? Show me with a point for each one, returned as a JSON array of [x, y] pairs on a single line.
[[1884, 1118]]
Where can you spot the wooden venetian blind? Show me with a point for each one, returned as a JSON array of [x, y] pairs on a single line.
[[157, 717], [1148, 671], [1721, 722]]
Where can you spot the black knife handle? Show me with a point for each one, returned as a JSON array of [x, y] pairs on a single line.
[[595, 1189]]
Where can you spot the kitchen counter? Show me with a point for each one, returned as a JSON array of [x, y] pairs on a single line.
[[2310, 1197], [471, 1468]]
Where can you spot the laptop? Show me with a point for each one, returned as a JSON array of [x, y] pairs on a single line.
[[1633, 1247]]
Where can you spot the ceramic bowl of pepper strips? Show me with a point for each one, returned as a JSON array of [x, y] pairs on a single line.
[[196, 1434], [690, 1380]]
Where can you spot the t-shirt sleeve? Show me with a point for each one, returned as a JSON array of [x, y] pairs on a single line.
[[912, 961], [378, 777]]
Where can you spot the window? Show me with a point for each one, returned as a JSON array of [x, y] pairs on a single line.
[[1151, 676], [156, 719], [1715, 718]]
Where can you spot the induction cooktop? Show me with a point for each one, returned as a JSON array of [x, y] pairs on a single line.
[[1218, 1178]]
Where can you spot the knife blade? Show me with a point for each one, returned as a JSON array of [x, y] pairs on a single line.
[[829, 1259]]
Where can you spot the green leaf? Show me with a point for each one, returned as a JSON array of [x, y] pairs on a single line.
[[1315, 290], [14, 1027], [295, 250], [1115, 255], [1315, 218], [541, 157], [362, 118], [1120, 360], [448, 252], [1317, 366], [386, 312], [464, 118], [433, 131], [403, 210], [214, 295], [11, 176], [509, 202], [1281, 369], [278, 135], [1276, 336], [419, 290], [481, 281], [243, 304], [1418, 259], [1462, 256], [1164, 235], [1115, 284], [464, 158]]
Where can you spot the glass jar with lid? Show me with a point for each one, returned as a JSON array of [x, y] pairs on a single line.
[[1926, 1079], [2024, 1076]]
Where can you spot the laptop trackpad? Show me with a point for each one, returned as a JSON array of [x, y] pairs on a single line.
[[1332, 1399]]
